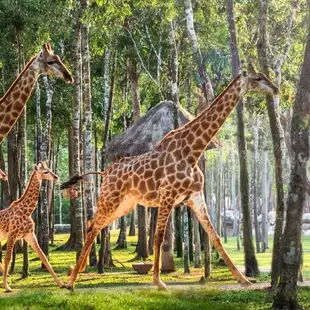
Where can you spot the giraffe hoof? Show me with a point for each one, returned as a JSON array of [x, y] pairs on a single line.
[[70, 288], [8, 290], [245, 282]]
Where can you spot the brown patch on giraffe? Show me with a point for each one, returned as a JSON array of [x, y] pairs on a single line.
[[16, 95], [214, 117], [171, 146], [158, 173], [142, 186], [186, 150], [24, 97], [190, 138], [153, 164], [150, 183], [148, 174], [199, 132], [214, 126]]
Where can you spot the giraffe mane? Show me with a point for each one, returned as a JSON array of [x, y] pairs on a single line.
[[17, 79]]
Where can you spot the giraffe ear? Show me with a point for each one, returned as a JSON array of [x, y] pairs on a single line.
[[34, 167]]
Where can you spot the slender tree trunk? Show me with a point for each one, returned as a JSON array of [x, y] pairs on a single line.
[[286, 294], [185, 239], [167, 263], [153, 222], [255, 165], [251, 266], [88, 184], [277, 139], [79, 222], [122, 239], [197, 243], [265, 202], [206, 85], [190, 232], [105, 254]]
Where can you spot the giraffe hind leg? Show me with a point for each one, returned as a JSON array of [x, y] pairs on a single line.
[[197, 203], [163, 214]]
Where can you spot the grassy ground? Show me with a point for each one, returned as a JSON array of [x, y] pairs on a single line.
[[121, 288]]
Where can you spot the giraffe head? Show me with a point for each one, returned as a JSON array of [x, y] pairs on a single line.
[[45, 173], [49, 63], [3, 176], [255, 81]]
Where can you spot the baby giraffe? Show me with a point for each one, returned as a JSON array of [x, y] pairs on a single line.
[[16, 222]]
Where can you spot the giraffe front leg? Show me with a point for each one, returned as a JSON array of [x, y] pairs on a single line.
[[9, 250], [33, 242], [163, 214], [197, 203]]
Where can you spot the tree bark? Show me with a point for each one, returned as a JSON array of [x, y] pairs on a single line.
[[277, 139], [251, 266], [185, 239], [122, 239], [256, 137], [265, 202], [167, 263], [205, 85], [286, 295], [79, 221], [87, 141], [152, 224]]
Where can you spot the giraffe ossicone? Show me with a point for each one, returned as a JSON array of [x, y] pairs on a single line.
[[168, 175], [15, 99], [16, 222]]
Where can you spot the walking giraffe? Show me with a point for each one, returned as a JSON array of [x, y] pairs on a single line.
[[16, 222], [168, 176], [15, 99]]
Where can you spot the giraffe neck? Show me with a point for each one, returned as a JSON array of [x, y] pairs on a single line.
[[14, 100], [28, 201], [189, 141]]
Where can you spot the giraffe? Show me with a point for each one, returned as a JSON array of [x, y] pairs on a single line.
[[15, 99], [168, 176], [16, 222]]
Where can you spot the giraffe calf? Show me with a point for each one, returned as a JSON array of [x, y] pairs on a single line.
[[16, 222]]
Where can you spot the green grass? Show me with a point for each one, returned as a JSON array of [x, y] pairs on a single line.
[[121, 288]]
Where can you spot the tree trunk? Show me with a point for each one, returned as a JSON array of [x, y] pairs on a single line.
[[122, 240], [277, 139], [185, 239], [206, 85], [153, 222], [178, 232], [105, 254], [197, 243], [256, 137], [132, 228], [265, 202], [88, 184], [286, 295], [190, 232], [251, 267], [167, 262], [219, 194], [142, 249], [79, 221]]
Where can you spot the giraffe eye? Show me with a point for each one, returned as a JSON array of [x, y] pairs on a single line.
[[50, 62], [258, 78]]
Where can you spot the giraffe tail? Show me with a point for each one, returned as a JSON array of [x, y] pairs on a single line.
[[76, 178], [72, 181]]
